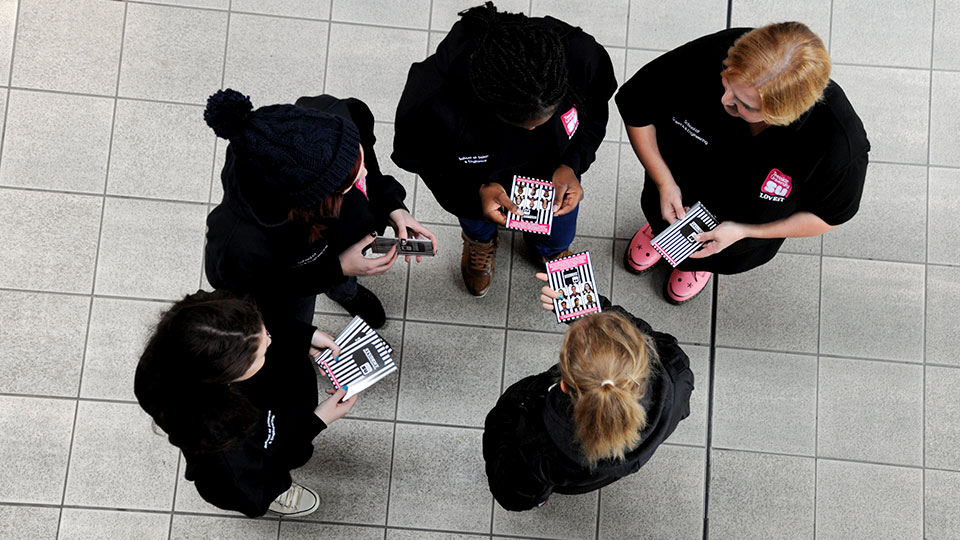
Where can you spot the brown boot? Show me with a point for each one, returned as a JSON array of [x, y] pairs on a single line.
[[562, 254], [477, 263]]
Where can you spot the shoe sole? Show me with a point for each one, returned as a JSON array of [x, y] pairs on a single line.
[[631, 269], [670, 299]]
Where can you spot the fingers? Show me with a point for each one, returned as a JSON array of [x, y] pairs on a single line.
[[549, 293], [561, 191], [381, 265], [503, 200], [542, 276], [494, 215], [679, 209]]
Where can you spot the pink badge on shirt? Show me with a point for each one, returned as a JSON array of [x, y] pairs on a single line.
[[571, 119], [777, 184], [362, 186]]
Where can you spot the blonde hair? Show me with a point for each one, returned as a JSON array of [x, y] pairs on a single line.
[[788, 65], [605, 362]]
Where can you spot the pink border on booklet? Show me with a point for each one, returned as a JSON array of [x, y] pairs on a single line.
[[326, 367], [579, 314]]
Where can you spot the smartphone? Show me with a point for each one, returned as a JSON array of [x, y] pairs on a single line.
[[406, 246]]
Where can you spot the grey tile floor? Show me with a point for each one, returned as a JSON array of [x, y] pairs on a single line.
[[835, 406]]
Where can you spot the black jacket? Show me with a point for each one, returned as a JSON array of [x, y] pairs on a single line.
[[252, 249], [456, 143], [248, 476], [529, 441]]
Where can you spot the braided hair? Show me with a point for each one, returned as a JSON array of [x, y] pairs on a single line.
[[519, 67]]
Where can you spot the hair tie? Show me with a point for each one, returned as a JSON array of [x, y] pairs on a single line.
[[606, 382]]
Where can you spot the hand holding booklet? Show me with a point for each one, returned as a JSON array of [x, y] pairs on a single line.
[[364, 359], [678, 241], [535, 200], [573, 278]]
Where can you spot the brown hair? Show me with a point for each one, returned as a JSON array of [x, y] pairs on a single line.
[[788, 65], [327, 208], [608, 417]]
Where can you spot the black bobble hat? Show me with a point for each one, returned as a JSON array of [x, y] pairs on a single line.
[[304, 155]]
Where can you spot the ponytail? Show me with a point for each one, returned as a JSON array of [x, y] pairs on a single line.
[[605, 362]]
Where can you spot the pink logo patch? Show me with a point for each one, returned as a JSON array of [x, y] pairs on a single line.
[[362, 186], [570, 121], [777, 185]]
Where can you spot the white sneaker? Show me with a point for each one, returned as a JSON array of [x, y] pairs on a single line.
[[296, 501]]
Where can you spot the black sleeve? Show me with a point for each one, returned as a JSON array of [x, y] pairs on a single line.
[[837, 198], [589, 63], [384, 192]]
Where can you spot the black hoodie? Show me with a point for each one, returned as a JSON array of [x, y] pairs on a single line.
[[456, 143], [254, 249], [529, 441]]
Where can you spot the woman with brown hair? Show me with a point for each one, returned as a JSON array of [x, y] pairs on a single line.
[[302, 195], [618, 392], [748, 122]]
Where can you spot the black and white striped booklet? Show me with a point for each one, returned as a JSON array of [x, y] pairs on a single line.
[[364, 359], [677, 242]]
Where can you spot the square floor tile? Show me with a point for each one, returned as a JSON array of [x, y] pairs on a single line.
[[291, 530], [946, 37], [34, 325], [445, 11], [944, 118], [870, 411], [860, 500], [943, 297], [667, 25], [437, 292], [810, 245], [629, 187], [439, 480], [150, 249], [160, 150], [379, 401], [643, 296], [600, 194], [118, 461], [941, 492], [443, 383], [893, 105], [605, 21], [81, 524], [765, 401], [275, 60], [693, 429], [310, 9], [50, 254], [895, 201], [172, 53], [761, 496], [662, 501], [387, 52], [892, 294], [350, 463], [884, 32], [943, 199], [34, 435], [56, 141], [942, 430], [413, 13], [70, 45], [565, 516], [755, 13], [189, 500], [28, 522], [119, 330], [526, 311], [406, 534], [208, 4], [751, 305], [8, 18], [428, 210], [204, 527], [529, 353], [614, 130]]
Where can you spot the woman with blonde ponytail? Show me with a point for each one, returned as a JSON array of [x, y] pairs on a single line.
[[618, 391]]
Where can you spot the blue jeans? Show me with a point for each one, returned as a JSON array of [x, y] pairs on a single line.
[[561, 233]]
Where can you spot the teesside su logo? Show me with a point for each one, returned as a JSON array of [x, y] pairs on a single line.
[[776, 187], [570, 121]]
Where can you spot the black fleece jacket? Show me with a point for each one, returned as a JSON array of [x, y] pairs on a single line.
[[248, 476], [456, 143], [254, 249], [529, 441]]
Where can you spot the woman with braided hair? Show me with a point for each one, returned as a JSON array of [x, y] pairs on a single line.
[[618, 392], [504, 94]]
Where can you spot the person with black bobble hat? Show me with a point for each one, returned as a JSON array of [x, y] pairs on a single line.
[[302, 193]]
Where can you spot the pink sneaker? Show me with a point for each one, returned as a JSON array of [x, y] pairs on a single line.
[[683, 286], [640, 255]]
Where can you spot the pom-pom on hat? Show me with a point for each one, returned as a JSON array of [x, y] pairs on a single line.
[[303, 155]]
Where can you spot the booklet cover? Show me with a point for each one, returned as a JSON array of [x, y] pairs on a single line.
[[573, 277], [676, 242], [364, 358], [535, 199]]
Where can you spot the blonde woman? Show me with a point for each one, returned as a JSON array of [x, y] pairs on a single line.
[[618, 392], [748, 122]]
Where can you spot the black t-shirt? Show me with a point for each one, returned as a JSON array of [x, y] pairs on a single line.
[[816, 164]]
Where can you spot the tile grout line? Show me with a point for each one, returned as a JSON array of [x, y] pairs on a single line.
[[926, 277], [503, 356], [326, 53], [6, 105]]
